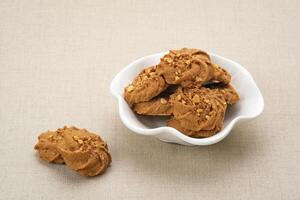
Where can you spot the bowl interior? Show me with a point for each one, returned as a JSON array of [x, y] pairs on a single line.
[[249, 106]]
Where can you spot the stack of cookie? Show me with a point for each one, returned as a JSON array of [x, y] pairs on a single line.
[[186, 86]]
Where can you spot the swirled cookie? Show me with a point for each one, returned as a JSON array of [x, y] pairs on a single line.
[[145, 86], [186, 66], [220, 74], [47, 147], [82, 151], [159, 106], [198, 109], [196, 134], [230, 94]]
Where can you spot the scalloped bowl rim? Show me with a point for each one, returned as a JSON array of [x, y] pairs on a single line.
[[165, 129]]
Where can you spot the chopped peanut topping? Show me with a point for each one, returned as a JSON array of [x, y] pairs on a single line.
[[206, 101], [168, 60], [130, 88], [199, 110], [196, 98], [198, 79], [75, 137], [163, 101], [148, 70]]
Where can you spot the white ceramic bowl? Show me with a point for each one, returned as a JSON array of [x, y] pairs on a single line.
[[250, 105]]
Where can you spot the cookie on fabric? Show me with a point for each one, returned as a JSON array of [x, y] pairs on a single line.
[[79, 149], [47, 147]]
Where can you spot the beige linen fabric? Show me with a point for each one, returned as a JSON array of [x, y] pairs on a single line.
[[57, 59]]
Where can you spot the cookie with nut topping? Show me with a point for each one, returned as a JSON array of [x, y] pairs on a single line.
[[79, 149], [47, 147], [159, 106], [196, 134], [145, 86], [184, 65], [227, 90], [187, 66], [197, 110], [219, 74]]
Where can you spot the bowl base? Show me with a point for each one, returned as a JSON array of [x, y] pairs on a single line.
[[176, 142]]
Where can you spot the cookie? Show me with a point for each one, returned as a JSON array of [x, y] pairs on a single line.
[[47, 147], [196, 134], [196, 53], [184, 65], [159, 106], [145, 86], [230, 94], [188, 66], [82, 151], [220, 74], [199, 109]]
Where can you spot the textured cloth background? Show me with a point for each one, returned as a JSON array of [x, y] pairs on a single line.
[[57, 59]]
